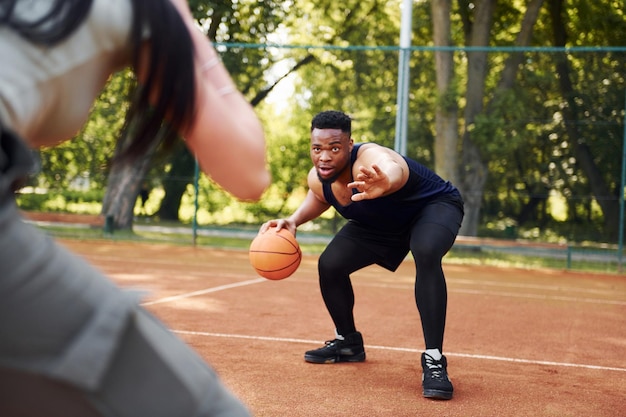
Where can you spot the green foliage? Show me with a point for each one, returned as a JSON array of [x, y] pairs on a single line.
[[73, 201], [83, 162], [523, 137]]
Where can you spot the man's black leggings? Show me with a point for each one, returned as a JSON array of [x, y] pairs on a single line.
[[429, 238]]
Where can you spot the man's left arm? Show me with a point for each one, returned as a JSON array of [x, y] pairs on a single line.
[[381, 172]]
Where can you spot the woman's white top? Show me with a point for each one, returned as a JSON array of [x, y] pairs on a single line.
[[46, 93]]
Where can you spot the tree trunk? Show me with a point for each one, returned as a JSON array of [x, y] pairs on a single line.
[[511, 67], [446, 117], [124, 183], [175, 182], [473, 168], [474, 174]]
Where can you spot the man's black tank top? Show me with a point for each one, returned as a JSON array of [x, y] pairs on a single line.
[[396, 212]]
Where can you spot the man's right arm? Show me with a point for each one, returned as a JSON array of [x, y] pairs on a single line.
[[311, 208]]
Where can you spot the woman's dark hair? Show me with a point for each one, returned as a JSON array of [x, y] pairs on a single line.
[[170, 72], [332, 119], [170, 69]]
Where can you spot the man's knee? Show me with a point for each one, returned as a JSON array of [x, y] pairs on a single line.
[[328, 264], [425, 252]]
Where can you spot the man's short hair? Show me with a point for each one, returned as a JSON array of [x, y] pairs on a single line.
[[331, 119]]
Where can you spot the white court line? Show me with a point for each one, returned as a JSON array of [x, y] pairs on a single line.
[[411, 350], [506, 294], [539, 296], [205, 291], [546, 287]]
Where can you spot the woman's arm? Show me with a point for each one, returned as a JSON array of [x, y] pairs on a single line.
[[226, 136]]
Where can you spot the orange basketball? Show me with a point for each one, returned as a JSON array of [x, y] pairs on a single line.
[[275, 254]]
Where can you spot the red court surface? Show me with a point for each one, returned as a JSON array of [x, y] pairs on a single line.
[[519, 342]]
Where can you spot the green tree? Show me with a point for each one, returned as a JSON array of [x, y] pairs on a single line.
[[86, 161], [558, 121], [525, 125], [579, 105], [243, 22], [488, 84]]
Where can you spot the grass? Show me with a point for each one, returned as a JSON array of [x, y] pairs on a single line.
[[178, 238], [461, 255], [239, 238]]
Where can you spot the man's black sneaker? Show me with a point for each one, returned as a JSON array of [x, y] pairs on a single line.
[[435, 380], [348, 350]]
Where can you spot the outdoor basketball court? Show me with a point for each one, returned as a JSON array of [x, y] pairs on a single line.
[[519, 342]]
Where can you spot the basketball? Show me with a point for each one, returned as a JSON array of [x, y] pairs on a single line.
[[275, 254]]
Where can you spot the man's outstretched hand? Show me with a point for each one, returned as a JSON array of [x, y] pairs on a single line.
[[370, 183]]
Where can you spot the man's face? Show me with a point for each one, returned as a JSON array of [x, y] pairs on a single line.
[[330, 153]]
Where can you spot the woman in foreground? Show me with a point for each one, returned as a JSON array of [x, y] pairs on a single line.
[[71, 342]]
